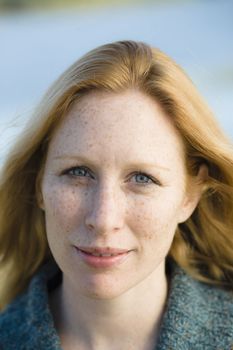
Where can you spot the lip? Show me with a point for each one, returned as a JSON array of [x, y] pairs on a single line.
[[102, 250], [86, 255]]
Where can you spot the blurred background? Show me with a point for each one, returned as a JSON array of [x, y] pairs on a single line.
[[41, 38]]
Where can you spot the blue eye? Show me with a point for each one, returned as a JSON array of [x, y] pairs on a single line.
[[143, 179], [78, 172], [83, 172]]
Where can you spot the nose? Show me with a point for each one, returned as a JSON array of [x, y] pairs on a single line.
[[105, 213]]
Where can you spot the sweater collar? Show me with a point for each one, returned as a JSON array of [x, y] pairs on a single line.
[[193, 315], [197, 315]]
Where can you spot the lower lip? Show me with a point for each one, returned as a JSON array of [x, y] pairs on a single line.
[[102, 261]]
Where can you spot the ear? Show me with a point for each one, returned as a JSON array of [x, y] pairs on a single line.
[[39, 195], [40, 200], [194, 193]]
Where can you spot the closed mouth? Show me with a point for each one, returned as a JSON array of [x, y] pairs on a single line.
[[102, 252]]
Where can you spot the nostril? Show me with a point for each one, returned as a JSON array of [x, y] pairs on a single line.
[[90, 226]]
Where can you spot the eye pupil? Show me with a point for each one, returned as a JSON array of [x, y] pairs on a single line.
[[142, 178], [78, 172]]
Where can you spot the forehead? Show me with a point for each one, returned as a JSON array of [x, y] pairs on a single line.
[[123, 122]]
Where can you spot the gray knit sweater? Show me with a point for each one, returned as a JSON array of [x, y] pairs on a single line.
[[197, 316]]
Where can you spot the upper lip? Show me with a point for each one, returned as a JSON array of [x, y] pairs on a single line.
[[103, 250]]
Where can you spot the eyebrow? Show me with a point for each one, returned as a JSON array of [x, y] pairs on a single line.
[[135, 164]]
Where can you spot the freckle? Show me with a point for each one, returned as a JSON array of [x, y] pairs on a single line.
[[78, 240], [148, 236]]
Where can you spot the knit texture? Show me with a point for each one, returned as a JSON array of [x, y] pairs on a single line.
[[197, 316]]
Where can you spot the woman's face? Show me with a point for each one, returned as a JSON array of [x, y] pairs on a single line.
[[113, 192]]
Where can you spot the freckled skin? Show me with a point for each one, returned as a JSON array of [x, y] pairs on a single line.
[[111, 209]]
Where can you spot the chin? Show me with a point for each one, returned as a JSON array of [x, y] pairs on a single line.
[[103, 290]]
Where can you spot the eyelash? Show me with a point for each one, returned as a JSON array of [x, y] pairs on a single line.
[[152, 180]]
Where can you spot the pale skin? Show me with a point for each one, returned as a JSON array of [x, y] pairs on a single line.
[[103, 201]]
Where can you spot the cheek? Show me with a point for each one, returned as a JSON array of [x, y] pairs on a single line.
[[62, 208], [155, 220]]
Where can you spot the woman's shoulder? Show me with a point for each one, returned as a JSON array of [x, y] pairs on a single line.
[[198, 315], [26, 323], [12, 321]]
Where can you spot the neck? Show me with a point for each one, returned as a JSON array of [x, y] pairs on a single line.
[[98, 323]]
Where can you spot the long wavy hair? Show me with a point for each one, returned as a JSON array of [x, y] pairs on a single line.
[[202, 246]]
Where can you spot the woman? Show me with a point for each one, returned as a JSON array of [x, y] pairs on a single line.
[[116, 213]]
